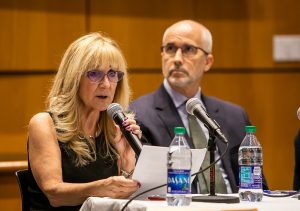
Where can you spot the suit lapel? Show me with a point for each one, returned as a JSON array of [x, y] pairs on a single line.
[[168, 113]]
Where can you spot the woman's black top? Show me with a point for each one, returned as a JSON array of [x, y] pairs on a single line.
[[102, 168]]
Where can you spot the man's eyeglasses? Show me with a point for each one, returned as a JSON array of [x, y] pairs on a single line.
[[187, 50], [96, 76]]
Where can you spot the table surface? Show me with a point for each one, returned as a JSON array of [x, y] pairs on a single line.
[[267, 204]]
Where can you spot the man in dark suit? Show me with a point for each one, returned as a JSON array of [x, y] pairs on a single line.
[[186, 56]]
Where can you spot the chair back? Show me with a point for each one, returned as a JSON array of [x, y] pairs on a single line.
[[22, 178]]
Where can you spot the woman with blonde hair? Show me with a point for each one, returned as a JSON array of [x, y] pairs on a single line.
[[74, 149]]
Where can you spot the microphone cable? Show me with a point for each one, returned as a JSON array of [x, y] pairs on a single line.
[[151, 189]]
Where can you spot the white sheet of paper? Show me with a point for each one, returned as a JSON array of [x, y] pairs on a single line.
[[151, 168]]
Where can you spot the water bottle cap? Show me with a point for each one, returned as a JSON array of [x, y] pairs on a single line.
[[179, 130], [250, 129]]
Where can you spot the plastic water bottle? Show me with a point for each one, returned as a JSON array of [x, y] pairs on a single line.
[[179, 170], [250, 167]]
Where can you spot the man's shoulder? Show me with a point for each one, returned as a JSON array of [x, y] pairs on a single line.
[[149, 99], [143, 100]]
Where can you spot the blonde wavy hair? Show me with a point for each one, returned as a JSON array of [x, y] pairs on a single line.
[[92, 51]]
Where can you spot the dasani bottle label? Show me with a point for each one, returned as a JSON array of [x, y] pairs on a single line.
[[178, 181]]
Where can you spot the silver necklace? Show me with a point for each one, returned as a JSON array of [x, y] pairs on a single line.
[[83, 137]]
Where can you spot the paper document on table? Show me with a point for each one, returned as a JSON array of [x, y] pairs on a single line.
[[151, 168]]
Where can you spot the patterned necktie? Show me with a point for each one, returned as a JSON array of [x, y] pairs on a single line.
[[199, 140]]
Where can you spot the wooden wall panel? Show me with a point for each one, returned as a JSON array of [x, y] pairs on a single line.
[[22, 97], [150, 81], [138, 26], [36, 32], [243, 30], [10, 198]]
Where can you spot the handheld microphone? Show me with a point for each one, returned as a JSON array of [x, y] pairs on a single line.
[[298, 113], [194, 107], [115, 111]]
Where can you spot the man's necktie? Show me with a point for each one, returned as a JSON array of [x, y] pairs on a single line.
[[200, 142]]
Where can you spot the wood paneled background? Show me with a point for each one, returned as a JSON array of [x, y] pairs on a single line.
[[35, 33]]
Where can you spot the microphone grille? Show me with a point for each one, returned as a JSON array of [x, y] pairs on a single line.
[[113, 109], [191, 103], [298, 113]]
